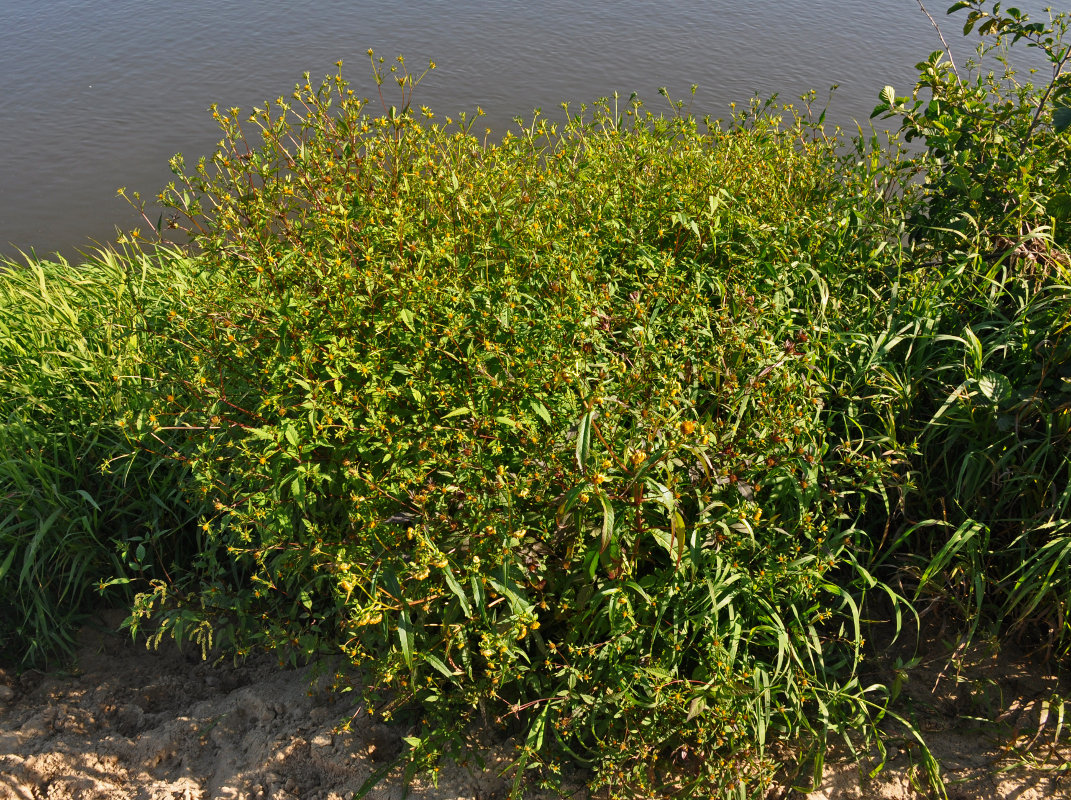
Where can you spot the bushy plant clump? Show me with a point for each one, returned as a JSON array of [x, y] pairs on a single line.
[[996, 160], [531, 430]]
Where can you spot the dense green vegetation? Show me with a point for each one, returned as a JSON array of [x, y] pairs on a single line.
[[620, 434]]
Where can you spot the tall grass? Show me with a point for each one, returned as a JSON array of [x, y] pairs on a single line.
[[77, 506], [974, 378], [975, 383]]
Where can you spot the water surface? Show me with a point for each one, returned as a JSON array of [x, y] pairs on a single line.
[[96, 95]]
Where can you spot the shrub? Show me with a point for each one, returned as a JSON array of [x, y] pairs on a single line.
[[533, 429], [996, 150]]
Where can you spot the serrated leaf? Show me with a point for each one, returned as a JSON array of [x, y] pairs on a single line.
[[664, 539], [540, 411], [888, 96]]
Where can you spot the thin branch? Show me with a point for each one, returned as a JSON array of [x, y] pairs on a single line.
[[1057, 70], [937, 28]]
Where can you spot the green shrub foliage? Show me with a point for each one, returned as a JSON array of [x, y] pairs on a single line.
[[529, 428]]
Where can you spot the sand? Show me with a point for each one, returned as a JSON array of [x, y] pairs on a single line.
[[128, 722]]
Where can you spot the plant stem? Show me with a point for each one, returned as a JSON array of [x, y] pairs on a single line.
[[937, 28]]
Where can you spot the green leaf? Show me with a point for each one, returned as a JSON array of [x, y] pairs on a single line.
[[540, 411], [664, 539], [405, 636], [607, 522], [88, 498], [1061, 118], [533, 742], [994, 387], [678, 530], [591, 564], [436, 662], [583, 439], [7, 562], [457, 412], [455, 587], [297, 487]]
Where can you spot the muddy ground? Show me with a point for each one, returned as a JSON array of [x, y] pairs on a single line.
[[127, 722]]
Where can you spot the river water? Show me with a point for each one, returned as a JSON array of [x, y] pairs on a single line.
[[96, 94]]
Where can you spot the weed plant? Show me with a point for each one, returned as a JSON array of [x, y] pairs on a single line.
[[534, 431]]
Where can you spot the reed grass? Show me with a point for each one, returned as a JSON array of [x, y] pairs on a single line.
[[77, 505]]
